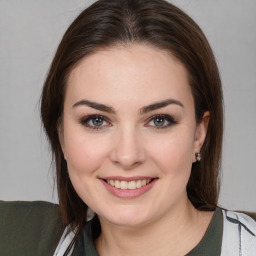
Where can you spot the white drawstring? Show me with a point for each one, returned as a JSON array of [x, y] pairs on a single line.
[[64, 242]]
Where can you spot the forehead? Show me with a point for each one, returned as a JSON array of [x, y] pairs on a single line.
[[129, 72]]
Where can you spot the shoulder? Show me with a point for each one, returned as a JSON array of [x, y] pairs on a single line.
[[29, 228], [239, 233], [36, 213], [239, 220], [25, 205]]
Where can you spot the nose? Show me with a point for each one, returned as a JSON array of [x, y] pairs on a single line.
[[128, 149]]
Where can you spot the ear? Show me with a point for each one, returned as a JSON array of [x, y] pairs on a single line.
[[200, 133]]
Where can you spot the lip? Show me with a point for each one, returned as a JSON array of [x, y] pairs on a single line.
[[135, 178], [128, 193]]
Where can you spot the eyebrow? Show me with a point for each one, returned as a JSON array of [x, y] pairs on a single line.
[[143, 110], [160, 104], [95, 105]]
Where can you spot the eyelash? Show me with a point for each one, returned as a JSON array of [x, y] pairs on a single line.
[[165, 117], [85, 121]]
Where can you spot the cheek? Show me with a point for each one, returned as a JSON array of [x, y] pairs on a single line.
[[174, 153], [84, 153]]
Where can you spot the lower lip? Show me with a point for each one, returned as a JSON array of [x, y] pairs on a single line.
[[128, 193]]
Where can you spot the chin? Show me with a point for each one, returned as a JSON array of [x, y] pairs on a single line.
[[127, 218], [128, 222]]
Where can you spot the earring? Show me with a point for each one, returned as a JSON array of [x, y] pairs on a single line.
[[198, 157]]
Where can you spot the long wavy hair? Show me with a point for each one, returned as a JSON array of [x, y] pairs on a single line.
[[162, 25]]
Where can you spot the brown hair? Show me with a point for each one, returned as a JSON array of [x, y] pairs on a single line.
[[157, 23]]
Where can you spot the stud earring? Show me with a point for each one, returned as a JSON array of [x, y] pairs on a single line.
[[198, 157]]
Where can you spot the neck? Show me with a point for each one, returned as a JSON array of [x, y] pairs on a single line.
[[174, 234]]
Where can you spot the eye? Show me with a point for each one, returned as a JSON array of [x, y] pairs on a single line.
[[161, 121], [95, 122]]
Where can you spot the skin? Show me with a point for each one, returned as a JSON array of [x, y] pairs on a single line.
[[127, 143]]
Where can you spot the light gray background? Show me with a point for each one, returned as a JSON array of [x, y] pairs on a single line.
[[29, 34]]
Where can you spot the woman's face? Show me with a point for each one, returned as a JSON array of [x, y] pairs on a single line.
[[129, 133]]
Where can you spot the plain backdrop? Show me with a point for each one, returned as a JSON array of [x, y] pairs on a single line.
[[29, 34]]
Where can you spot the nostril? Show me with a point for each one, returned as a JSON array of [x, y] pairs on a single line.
[[127, 152]]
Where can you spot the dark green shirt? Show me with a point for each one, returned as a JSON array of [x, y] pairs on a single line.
[[29, 228], [210, 244], [35, 228]]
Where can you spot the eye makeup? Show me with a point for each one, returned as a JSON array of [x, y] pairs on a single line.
[[95, 121], [161, 121]]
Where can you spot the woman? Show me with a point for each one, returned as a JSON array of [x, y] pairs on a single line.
[[132, 107]]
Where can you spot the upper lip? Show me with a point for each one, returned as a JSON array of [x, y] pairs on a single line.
[[135, 178]]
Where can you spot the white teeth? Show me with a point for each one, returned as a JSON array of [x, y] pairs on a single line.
[[138, 183], [132, 185], [117, 184], [143, 182], [122, 184]]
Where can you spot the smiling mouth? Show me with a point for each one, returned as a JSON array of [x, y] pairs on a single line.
[[128, 185]]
